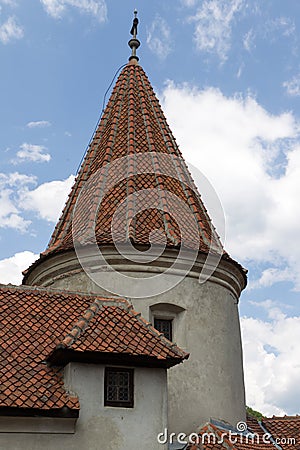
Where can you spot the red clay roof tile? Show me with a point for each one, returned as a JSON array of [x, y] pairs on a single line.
[[285, 429], [112, 323]]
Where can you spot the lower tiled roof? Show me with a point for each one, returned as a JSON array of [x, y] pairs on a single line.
[[281, 433], [285, 429], [34, 322]]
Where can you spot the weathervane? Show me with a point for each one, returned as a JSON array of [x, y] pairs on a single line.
[[134, 43]]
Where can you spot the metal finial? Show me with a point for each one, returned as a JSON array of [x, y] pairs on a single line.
[[134, 43]]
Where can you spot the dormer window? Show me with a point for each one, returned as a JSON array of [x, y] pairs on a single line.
[[118, 387]]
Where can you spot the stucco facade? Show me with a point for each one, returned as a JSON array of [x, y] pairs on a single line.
[[98, 427]]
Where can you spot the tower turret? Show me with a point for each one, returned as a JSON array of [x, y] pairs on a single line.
[[135, 225]]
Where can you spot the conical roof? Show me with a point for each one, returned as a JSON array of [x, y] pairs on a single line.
[[133, 184]]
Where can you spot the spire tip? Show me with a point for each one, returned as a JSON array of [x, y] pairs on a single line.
[[134, 43]]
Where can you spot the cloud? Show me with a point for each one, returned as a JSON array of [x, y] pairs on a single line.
[[10, 30], [10, 186], [213, 25], [16, 179], [9, 218], [252, 158], [39, 124], [271, 361], [293, 86], [57, 8], [248, 40], [240, 70], [18, 196], [31, 152], [159, 37], [54, 8], [273, 275], [48, 199], [284, 25], [11, 268], [189, 3], [11, 3]]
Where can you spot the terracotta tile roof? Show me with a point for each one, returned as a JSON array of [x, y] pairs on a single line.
[[254, 426], [33, 322], [210, 438], [133, 126], [110, 326], [285, 429]]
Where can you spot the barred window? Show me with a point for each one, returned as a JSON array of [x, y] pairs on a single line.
[[118, 387], [164, 326]]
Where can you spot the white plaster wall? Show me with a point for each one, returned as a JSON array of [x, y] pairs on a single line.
[[105, 428], [210, 383]]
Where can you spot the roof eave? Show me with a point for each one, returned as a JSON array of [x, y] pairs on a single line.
[[16, 411], [62, 356], [47, 255]]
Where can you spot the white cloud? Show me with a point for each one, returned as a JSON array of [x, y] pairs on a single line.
[[54, 8], [189, 3], [11, 268], [214, 24], [273, 275], [57, 8], [17, 196], [271, 361], [293, 86], [48, 199], [284, 25], [159, 37], [31, 152], [16, 179], [248, 40], [252, 159], [10, 186], [11, 3], [240, 70], [10, 30], [39, 124], [10, 218]]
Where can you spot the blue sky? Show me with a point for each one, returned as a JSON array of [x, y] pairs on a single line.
[[227, 73]]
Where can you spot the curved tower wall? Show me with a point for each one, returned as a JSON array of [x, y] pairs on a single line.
[[210, 384]]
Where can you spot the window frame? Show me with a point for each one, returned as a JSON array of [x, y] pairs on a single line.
[[164, 319], [170, 311], [119, 403]]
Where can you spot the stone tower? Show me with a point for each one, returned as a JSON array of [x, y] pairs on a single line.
[[134, 225]]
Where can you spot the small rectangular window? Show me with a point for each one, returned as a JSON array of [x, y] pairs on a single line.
[[118, 387], [164, 326]]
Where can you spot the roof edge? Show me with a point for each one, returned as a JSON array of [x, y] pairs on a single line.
[[61, 356], [46, 256], [52, 290], [16, 411]]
